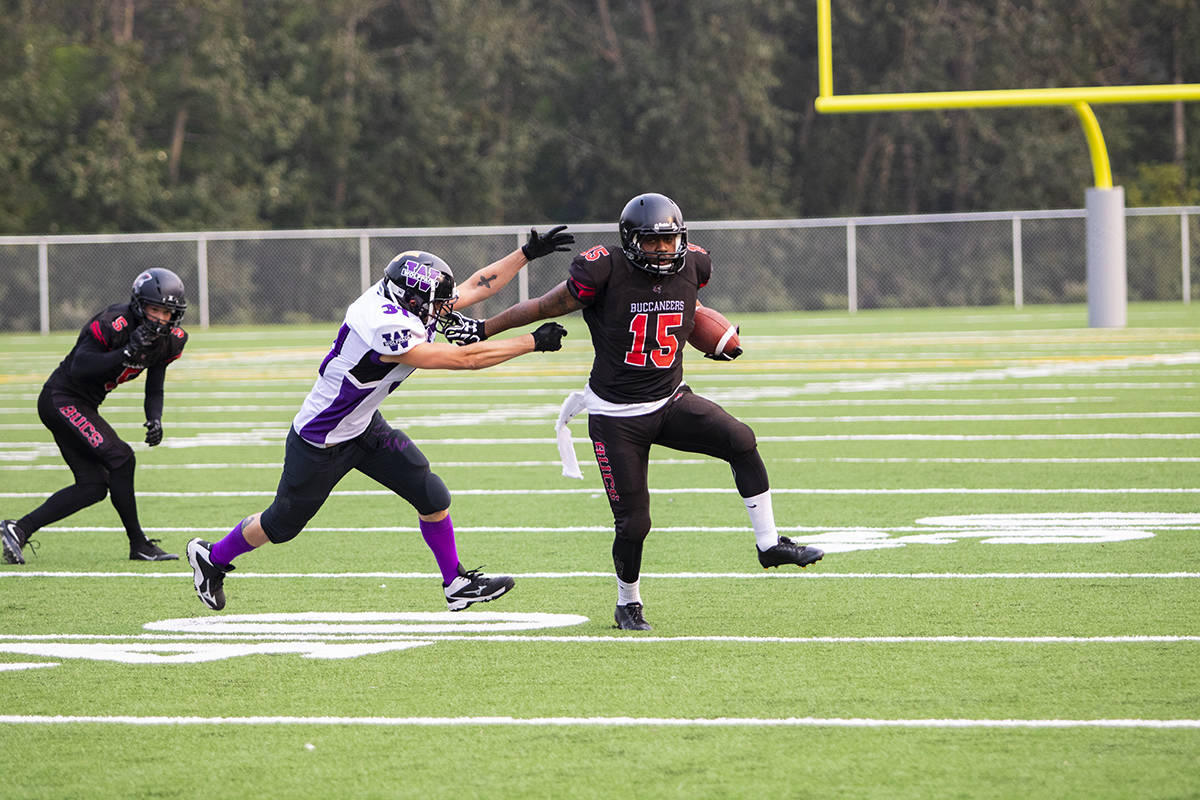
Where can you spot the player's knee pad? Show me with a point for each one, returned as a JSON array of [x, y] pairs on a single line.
[[282, 522], [742, 439], [434, 497], [124, 466], [633, 525], [120, 457]]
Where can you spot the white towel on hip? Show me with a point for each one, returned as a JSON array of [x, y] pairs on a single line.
[[589, 401]]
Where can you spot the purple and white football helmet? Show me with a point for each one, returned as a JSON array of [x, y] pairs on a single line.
[[420, 283]]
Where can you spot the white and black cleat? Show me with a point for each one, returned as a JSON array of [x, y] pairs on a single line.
[[209, 575], [12, 538], [472, 586]]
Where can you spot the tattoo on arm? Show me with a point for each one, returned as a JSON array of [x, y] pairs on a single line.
[[486, 281], [554, 303]]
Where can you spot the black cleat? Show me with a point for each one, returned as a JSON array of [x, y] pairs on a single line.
[[629, 618], [209, 575], [13, 539], [472, 586], [788, 552], [149, 550]]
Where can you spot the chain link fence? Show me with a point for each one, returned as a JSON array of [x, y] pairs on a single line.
[[936, 260]]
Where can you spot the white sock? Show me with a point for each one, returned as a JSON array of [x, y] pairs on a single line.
[[628, 592], [762, 519]]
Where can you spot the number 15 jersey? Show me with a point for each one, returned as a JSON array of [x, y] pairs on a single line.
[[639, 322]]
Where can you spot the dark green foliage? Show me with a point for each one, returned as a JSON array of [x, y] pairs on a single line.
[[215, 114]]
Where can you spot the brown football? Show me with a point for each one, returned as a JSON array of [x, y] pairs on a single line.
[[712, 330]]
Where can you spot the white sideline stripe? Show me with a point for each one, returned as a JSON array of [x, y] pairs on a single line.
[[272, 438], [746, 397], [539, 418], [615, 638], [684, 490], [1165, 524], [623, 722], [299, 394], [532, 417], [761, 575], [479, 464]]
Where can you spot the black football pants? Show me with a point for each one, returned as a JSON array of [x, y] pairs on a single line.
[[689, 423], [99, 459]]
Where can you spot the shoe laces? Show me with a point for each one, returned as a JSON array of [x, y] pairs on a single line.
[[152, 543], [472, 574]]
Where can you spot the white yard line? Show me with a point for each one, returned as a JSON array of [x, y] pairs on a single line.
[[685, 490], [623, 722], [542, 417], [760, 575], [275, 465]]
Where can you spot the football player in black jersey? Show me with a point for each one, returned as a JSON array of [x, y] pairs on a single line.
[[639, 301], [115, 346]]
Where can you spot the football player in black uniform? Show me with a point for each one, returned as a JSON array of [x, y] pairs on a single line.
[[115, 346], [639, 301]]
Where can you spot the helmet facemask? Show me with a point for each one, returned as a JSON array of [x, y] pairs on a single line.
[[654, 260], [656, 215]]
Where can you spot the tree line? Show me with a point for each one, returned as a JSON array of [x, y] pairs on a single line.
[[147, 115]]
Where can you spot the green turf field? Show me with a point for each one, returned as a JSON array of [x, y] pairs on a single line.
[[1009, 605]]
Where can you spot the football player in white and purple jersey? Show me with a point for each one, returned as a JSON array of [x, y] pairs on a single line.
[[388, 333]]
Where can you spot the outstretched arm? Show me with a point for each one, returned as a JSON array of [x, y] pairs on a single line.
[[481, 355], [495, 276], [554, 303], [487, 281]]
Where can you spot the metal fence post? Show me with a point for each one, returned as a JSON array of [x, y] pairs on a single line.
[[851, 268], [364, 261], [522, 277], [1185, 258], [1018, 265], [202, 277], [44, 285]]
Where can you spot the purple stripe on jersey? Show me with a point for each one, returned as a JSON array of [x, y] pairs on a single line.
[[348, 399], [337, 348]]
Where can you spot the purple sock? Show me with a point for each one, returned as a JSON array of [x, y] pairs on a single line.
[[440, 538], [232, 546]]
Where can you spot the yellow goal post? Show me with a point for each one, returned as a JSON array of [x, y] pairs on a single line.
[[1105, 203]]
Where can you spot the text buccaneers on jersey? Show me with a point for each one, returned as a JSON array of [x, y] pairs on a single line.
[[639, 322]]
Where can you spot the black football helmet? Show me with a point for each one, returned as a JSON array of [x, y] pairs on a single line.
[[655, 215], [420, 283], [158, 286]]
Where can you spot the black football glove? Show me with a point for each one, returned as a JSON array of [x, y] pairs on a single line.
[[730, 356], [462, 329], [554, 240], [548, 337], [153, 431], [140, 347]]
